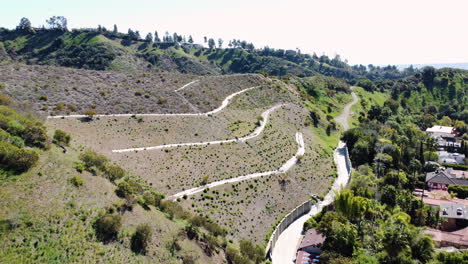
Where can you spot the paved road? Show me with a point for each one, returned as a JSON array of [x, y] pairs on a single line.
[[284, 168], [223, 105], [285, 249], [254, 134]]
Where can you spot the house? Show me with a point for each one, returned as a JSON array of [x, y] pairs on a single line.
[[451, 158], [442, 178], [458, 239], [442, 131], [309, 250], [454, 211]]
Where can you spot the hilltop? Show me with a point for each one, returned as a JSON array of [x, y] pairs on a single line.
[[100, 49]]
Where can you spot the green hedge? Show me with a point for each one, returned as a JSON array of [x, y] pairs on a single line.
[[456, 166], [460, 190]]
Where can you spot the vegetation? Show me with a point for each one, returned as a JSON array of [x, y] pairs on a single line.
[[141, 238], [61, 138]]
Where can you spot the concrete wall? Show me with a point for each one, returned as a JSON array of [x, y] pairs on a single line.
[[296, 213], [287, 220]]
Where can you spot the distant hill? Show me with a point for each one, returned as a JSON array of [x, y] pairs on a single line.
[[104, 50], [463, 66]]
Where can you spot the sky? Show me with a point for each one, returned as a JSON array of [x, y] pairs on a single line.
[[362, 31]]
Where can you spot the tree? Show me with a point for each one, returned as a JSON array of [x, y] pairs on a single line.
[[57, 22], [428, 75], [211, 43], [220, 43], [108, 226], [149, 37], [141, 238], [156, 37], [137, 35], [190, 39], [115, 31], [24, 24], [61, 138], [205, 39]]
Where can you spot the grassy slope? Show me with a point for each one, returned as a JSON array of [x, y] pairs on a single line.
[[52, 219], [372, 98]]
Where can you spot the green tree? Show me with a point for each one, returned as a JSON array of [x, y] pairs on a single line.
[[149, 37], [24, 24], [61, 137], [115, 31], [108, 226], [211, 43], [141, 238], [190, 39], [57, 22]]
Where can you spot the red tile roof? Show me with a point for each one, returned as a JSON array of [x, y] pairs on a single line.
[[459, 237], [312, 239]]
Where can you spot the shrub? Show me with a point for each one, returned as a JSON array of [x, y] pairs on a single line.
[[137, 93], [108, 226], [114, 172], [5, 100], [80, 167], [461, 191], [17, 159], [141, 238], [72, 107], [92, 159], [89, 113], [76, 181], [61, 137], [162, 100], [43, 98]]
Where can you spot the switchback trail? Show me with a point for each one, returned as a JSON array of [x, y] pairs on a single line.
[[255, 133], [223, 105], [284, 168], [285, 248]]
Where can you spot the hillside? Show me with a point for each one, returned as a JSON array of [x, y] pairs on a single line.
[[103, 50], [55, 203]]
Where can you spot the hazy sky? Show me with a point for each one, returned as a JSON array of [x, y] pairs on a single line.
[[362, 31]]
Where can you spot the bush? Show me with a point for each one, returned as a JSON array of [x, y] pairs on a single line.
[[461, 191], [17, 159], [61, 137], [92, 159], [114, 172], [108, 226], [5, 100], [76, 181], [89, 113], [141, 238]]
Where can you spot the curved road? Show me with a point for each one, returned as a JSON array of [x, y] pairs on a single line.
[[284, 168], [223, 105], [255, 133], [285, 248]]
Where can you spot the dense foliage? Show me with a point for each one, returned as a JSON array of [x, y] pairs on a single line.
[[19, 136]]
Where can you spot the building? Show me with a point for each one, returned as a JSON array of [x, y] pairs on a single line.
[[442, 178], [309, 250], [458, 239], [451, 158], [454, 211], [442, 131]]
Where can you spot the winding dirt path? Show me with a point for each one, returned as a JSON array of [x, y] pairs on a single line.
[[284, 168], [223, 105], [254, 134], [342, 119]]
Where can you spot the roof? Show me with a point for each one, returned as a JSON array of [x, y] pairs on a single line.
[[312, 239], [439, 202], [459, 237], [440, 129], [448, 176]]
